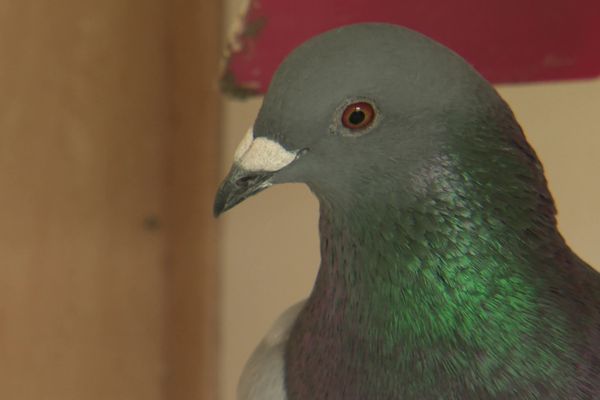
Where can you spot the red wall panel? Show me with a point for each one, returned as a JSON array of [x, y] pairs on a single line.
[[506, 40]]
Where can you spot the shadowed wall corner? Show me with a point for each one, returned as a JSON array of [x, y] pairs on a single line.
[[192, 178]]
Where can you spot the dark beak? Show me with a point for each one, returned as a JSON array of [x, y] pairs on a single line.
[[238, 186]]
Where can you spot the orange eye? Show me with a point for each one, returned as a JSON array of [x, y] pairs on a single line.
[[358, 115]]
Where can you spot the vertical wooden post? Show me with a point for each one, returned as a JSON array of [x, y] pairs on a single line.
[[109, 117], [192, 179], [82, 122]]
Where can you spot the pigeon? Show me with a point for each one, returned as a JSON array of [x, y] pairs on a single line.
[[443, 274]]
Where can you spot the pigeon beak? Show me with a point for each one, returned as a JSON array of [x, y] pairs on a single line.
[[256, 160], [238, 186]]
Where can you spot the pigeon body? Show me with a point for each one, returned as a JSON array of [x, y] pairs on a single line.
[[443, 274]]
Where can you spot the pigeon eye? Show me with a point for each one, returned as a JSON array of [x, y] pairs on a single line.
[[358, 115]]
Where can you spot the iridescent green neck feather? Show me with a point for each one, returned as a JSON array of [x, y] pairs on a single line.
[[453, 295]]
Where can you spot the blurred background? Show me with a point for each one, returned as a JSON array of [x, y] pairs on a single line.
[[115, 280]]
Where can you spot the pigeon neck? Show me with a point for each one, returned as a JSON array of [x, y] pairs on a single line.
[[399, 291], [411, 268]]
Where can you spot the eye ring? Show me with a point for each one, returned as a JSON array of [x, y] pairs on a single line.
[[358, 116]]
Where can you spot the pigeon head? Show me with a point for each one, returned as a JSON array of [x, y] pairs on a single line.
[[361, 110]]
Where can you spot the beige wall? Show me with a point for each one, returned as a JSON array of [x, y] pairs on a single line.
[[269, 244]]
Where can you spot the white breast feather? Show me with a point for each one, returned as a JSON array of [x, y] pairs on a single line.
[[263, 375]]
